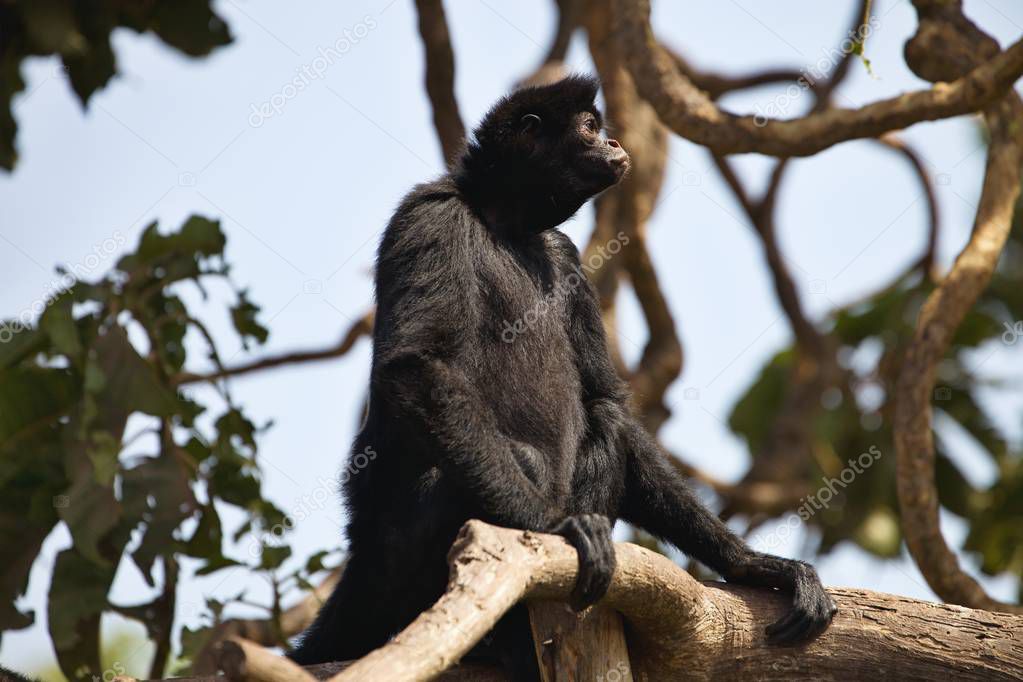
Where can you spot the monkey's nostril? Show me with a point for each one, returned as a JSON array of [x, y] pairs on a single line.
[[614, 143]]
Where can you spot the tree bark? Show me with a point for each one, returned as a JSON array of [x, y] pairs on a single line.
[[691, 113], [678, 628], [440, 77], [574, 646]]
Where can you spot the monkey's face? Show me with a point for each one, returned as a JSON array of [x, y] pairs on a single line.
[[569, 156], [599, 161], [541, 149]]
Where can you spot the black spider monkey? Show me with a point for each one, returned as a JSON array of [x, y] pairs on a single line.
[[530, 430]]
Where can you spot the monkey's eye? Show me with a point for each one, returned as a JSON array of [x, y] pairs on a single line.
[[591, 125], [530, 122]]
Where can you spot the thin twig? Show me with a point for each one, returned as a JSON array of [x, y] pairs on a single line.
[[362, 327]]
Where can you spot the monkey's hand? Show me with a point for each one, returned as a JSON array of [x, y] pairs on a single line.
[[812, 607], [590, 534]]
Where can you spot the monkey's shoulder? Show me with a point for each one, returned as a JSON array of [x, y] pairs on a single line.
[[432, 216]]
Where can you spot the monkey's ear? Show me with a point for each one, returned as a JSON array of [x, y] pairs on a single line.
[[530, 123]]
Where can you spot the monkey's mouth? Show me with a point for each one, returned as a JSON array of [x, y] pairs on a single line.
[[621, 166]]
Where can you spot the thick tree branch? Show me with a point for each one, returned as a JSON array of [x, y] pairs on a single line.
[[939, 318], [440, 77], [690, 112], [679, 628], [961, 44]]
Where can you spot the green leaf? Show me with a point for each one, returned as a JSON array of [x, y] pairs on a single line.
[[192, 642], [92, 68], [18, 342], [886, 312], [91, 511], [314, 564], [753, 415], [160, 496], [273, 557], [198, 236], [131, 383], [78, 595], [207, 542], [243, 314], [51, 27], [190, 26], [11, 84], [31, 397], [59, 324]]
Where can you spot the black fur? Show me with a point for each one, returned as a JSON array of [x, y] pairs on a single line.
[[529, 430]]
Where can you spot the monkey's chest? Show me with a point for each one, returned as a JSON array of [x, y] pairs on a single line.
[[528, 368]]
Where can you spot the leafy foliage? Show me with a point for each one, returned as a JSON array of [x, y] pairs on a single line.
[[79, 32], [68, 386], [857, 412]]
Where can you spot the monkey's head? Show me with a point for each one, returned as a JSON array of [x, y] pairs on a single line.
[[539, 154]]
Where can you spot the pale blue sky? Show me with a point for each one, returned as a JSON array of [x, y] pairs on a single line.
[[304, 196]]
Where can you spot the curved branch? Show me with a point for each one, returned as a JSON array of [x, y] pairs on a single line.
[[440, 77], [627, 208], [939, 318], [761, 213], [961, 43], [679, 628], [926, 261], [691, 113], [717, 85], [362, 327]]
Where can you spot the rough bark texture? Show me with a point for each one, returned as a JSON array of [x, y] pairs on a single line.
[[678, 628], [574, 646]]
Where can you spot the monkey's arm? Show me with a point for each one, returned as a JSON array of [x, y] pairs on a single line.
[[658, 499]]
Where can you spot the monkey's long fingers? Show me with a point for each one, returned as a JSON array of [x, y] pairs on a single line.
[[590, 535], [811, 613], [598, 528], [788, 629]]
